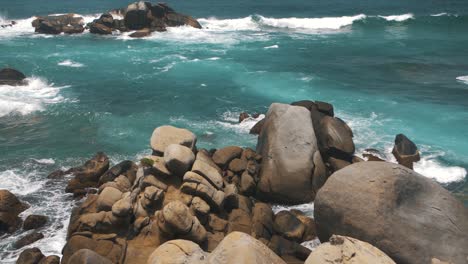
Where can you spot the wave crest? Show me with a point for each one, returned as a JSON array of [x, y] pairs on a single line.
[[398, 18]]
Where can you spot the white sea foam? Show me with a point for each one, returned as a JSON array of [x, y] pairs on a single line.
[[231, 121], [307, 208], [398, 18], [45, 161], [70, 63], [430, 167], [245, 23], [271, 47], [22, 27], [19, 182], [463, 79], [28, 98], [311, 23]]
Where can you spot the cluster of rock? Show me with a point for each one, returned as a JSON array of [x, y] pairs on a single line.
[[187, 205], [9, 76], [144, 17]]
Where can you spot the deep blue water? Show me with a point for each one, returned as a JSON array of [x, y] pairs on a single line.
[[388, 67]]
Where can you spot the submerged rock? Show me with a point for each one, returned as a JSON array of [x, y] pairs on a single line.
[[395, 209], [9, 76]]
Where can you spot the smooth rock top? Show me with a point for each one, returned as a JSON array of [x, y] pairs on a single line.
[[164, 136], [287, 144], [9, 76], [178, 159], [347, 250], [406, 215], [9, 203], [178, 252]]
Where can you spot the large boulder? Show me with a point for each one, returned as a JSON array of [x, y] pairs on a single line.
[[405, 151], [395, 209], [178, 252], [347, 250], [173, 19], [335, 138], [166, 135], [30, 256], [88, 174], [136, 16], [10, 208], [9, 76], [178, 159], [69, 23], [222, 157], [287, 144], [34, 222]]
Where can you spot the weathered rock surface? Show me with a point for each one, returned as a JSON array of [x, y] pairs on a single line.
[[178, 159], [34, 222], [88, 175], [348, 250], [178, 252], [70, 24], [395, 209], [287, 144], [405, 151], [30, 256], [9, 76], [10, 208], [166, 135], [86, 256]]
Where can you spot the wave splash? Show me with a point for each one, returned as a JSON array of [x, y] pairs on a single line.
[[25, 99], [398, 18], [463, 79], [70, 63]]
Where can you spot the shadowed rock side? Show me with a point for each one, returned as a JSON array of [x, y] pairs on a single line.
[[409, 217], [12, 77], [142, 17]]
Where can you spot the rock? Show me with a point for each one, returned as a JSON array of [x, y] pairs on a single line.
[[127, 168], [178, 252], [87, 256], [222, 157], [247, 184], [243, 116], [10, 208], [200, 207], [176, 19], [310, 232], [97, 28], [405, 151], [9, 76], [166, 135], [287, 144], [238, 166], [52, 259], [325, 108], [27, 240], [30, 256], [88, 174], [34, 222], [288, 249], [239, 220], [238, 247], [289, 226], [159, 168], [262, 221], [257, 128], [337, 164], [123, 207], [210, 173], [343, 249], [59, 24], [395, 209], [136, 16], [152, 197], [217, 224], [335, 138], [108, 197], [141, 33], [178, 159], [307, 104], [106, 20]]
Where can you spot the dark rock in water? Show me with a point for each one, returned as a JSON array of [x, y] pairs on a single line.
[[27, 240], [257, 128], [405, 151], [176, 19], [34, 222], [86, 256], [288, 144], [119, 24], [335, 138], [373, 155], [243, 116], [136, 16], [69, 24], [10, 76], [127, 168], [395, 209], [289, 226], [30, 256], [10, 208], [88, 175], [107, 20], [141, 33], [97, 28]]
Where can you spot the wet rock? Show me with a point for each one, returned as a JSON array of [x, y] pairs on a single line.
[[343, 249], [335, 138], [287, 144], [405, 151], [176, 20], [27, 240], [136, 16], [222, 157], [10, 208], [141, 33], [289, 226], [127, 168], [9, 76], [88, 174], [166, 135], [395, 209], [50, 260], [30, 256], [69, 23], [178, 159], [243, 116], [34, 222], [257, 128]]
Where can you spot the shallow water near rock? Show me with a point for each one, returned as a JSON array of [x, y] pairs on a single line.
[[388, 68]]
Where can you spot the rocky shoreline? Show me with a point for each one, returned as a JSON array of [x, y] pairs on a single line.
[[141, 18], [183, 204]]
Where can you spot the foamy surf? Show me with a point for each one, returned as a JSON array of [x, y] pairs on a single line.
[[311, 23], [271, 47], [26, 99], [70, 63], [463, 79], [398, 18]]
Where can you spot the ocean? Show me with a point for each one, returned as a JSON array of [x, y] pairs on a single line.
[[388, 67]]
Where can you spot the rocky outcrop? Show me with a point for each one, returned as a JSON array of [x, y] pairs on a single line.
[[288, 144], [34, 222], [166, 135], [69, 24], [9, 76], [10, 208], [348, 250], [395, 209], [405, 151]]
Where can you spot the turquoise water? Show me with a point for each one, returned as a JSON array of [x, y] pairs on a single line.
[[388, 67]]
